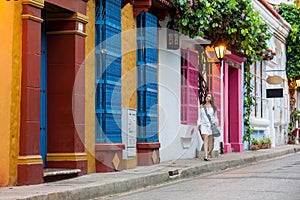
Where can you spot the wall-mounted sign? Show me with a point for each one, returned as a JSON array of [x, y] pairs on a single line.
[[275, 93], [172, 36], [274, 80]]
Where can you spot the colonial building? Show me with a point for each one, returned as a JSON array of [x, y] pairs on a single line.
[[44, 124], [271, 114], [90, 86]]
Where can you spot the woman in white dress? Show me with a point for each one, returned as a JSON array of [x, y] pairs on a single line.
[[204, 125]]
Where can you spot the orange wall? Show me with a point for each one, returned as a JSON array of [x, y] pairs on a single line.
[[90, 88], [128, 58], [10, 59]]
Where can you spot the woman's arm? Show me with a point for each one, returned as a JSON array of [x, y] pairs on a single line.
[[214, 119], [199, 121]]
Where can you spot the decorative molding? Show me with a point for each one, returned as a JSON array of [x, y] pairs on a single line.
[[279, 26], [66, 156], [67, 32], [35, 3], [67, 17], [259, 123], [33, 18], [30, 160], [233, 64], [116, 161], [154, 157], [141, 6]]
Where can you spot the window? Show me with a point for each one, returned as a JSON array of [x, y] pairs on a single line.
[[147, 91], [189, 86], [258, 89], [108, 71], [214, 84]]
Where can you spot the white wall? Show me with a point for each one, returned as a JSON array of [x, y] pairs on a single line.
[[177, 141], [276, 110]]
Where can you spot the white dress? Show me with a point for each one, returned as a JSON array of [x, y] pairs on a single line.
[[204, 121]]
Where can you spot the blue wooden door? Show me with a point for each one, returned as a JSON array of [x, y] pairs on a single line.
[[147, 91], [43, 95], [108, 59]]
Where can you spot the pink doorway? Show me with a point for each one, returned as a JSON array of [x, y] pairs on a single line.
[[233, 104]]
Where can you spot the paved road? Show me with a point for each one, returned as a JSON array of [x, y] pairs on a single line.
[[274, 180]]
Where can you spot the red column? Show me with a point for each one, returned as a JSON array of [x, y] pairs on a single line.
[[66, 92], [30, 166], [148, 153], [109, 157]]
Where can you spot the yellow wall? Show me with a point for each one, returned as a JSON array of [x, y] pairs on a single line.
[[90, 88], [10, 79], [128, 74], [129, 66], [128, 58]]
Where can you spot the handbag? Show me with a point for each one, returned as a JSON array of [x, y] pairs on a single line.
[[215, 130]]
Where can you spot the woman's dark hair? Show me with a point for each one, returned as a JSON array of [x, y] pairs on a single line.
[[212, 102]]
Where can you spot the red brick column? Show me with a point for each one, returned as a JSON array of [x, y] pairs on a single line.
[[109, 157], [66, 91], [30, 164], [148, 153]]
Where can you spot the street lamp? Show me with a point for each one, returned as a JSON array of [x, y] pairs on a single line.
[[220, 52]]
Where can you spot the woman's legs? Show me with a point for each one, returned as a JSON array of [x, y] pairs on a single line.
[[205, 140], [210, 145]]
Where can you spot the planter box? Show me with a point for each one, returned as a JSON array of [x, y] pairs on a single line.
[[254, 147]]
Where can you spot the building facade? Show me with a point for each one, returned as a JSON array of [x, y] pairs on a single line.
[[91, 86], [271, 114], [47, 48]]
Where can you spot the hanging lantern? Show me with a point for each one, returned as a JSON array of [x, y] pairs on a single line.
[[220, 52]]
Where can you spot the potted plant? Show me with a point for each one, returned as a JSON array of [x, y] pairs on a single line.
[[255, 144], [265, 142], [268, 142]]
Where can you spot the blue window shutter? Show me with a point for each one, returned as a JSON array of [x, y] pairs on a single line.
[[108, 71], [147, 91]]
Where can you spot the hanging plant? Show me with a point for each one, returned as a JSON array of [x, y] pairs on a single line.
[[233, 23]]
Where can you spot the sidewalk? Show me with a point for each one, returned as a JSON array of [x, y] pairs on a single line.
[[100, 184]]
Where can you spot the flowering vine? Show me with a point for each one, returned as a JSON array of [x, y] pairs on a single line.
[[249, 102]]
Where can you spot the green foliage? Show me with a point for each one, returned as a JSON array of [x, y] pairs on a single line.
[[265, 140], [291, 13], [249, 103], [294, 117], [255, 141], [233, 23]]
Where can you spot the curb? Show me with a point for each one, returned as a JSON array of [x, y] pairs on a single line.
[[130, 184], [229, 164]]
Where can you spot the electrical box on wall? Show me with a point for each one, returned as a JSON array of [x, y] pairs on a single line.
[[129, 133]]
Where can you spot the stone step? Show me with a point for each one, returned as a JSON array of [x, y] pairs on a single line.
[[55, 174]]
